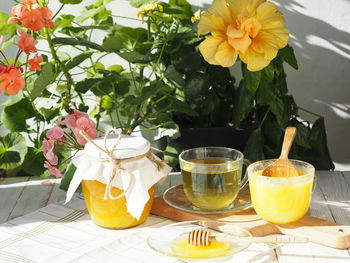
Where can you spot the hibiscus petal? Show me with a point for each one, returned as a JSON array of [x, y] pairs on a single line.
[[269, 16], [221, 9], [211, 23], [240, 8], [225, 55], [209, 47], [240, 44], [233, 32], [280, 34], [265, 43], [255, 61]]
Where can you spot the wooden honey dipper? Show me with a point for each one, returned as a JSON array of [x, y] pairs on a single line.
[[200, 237]]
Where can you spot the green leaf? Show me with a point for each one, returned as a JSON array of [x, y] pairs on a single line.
[[253, 150], [273, 134], [68, 175], [112, 43], [139, 3], [15, 115], [87, 84], [183, 6], [133, 57], [252, 79], [78, 59], [319, 155], [5, 28], [8, 42], [182, 107], [72, 2], [196, 84], [13, 151], [281, 106], [116, 68], [86, 14], [303, 133], [33, 163], [76, 42], [149, 91], [49, 114], [287, 54], [243, 103], [46, 77], [268, 72], [171, 154], [64, 21], [174, 76]]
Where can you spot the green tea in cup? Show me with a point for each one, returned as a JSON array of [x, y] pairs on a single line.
[[211, 176]]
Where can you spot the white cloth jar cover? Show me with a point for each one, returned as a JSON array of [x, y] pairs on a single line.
[[135, 177]]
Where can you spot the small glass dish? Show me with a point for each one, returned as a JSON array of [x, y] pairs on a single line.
[[175, 197], [171, 240]]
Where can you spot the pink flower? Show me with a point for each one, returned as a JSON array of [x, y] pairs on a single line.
[[26, 42], [71, 119], [55, 133], [47, 148], [17, 13], [86, 125], [53, 170]]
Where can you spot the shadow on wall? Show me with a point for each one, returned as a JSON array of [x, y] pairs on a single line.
[[321, 83], [324, 51]]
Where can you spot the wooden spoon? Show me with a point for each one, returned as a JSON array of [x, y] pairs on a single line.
[[282, 167]]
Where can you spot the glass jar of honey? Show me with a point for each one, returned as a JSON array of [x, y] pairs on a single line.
[[118, 175]]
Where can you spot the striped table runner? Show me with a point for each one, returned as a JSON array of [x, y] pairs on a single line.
[[64, 233]]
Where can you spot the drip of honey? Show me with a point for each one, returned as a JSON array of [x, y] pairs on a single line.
[[181, 247]]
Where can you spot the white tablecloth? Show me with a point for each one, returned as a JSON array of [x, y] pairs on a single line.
[[65, 233]]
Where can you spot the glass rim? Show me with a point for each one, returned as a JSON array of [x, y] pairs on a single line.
[[310, 171], [240, 155]]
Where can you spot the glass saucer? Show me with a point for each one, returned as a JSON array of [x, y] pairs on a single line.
[[175, 197], [171, 240]]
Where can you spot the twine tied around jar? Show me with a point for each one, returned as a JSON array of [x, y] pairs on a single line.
[[116, 163]]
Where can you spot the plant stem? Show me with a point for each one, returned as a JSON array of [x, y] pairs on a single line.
[[310, 112], [65, 71], [264, 118], [59, 10], [4, 57], [19, 52], [126, 17]]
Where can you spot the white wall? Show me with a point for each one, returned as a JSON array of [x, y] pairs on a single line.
[[320, 35]]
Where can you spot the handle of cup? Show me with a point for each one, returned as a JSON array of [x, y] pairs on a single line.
[[244, 181]]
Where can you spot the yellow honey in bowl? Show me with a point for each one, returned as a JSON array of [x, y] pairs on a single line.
[[111, 213], [181, 247], [281, 199]]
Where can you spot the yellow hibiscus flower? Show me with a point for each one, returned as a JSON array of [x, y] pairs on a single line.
[[252, 29]]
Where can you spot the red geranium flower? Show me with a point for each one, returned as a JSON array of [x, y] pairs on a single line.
[[34, 63], [26, 42], [11, 80]]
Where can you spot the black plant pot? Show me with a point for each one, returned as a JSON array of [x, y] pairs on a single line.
[[216, 136]]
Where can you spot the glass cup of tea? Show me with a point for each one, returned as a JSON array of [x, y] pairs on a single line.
[[212, 176], [281, 200]]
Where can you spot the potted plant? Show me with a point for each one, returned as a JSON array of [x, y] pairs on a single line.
[[166, 84], [252, 114]]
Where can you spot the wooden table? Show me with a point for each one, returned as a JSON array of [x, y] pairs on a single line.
[[331, 201]]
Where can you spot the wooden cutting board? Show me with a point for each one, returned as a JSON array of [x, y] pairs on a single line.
[[317, 230]]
